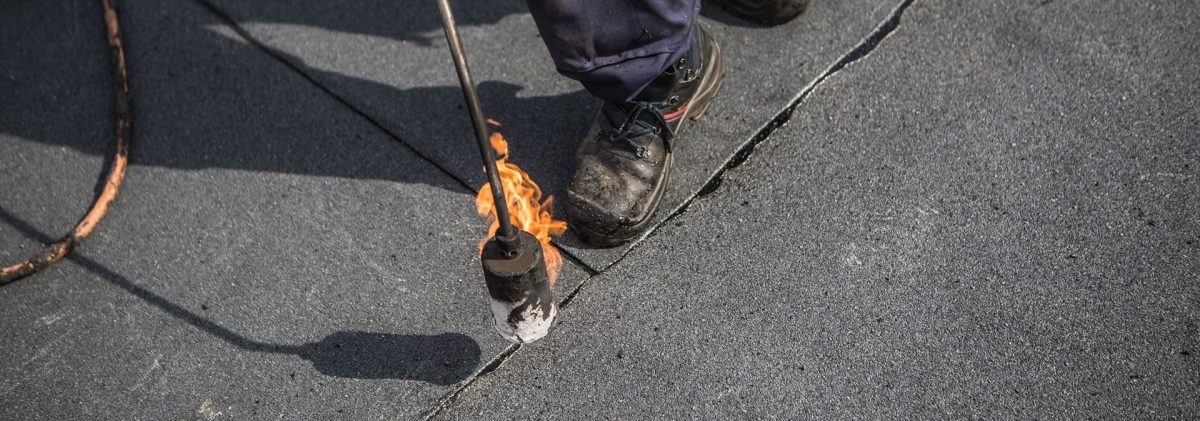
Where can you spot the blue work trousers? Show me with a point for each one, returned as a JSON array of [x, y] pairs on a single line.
[[615, 47]]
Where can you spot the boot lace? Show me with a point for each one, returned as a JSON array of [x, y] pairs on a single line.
[[634, 126]]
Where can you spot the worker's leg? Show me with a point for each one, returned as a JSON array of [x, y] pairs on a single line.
[[654, 67], [615, 47]]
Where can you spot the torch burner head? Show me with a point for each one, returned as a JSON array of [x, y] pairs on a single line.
[[518, 285]]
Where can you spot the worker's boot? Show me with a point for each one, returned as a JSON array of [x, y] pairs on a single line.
[[767, 12], [623, 165]]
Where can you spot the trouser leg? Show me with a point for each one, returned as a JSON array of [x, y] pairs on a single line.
[[615, 47]]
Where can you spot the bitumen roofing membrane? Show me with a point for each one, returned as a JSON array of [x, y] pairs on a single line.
[[981, 209]]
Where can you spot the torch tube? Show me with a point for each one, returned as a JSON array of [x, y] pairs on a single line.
[[507, 235]]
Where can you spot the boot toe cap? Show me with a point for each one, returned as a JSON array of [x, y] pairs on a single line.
[[601, 223]]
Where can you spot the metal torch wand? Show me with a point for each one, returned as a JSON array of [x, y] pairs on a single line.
[[507, 235], [513, 267]]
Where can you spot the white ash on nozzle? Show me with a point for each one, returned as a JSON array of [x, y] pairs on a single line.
[[522, 323], [518, 285]]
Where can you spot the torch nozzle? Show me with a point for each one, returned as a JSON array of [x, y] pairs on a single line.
[[519, 288]]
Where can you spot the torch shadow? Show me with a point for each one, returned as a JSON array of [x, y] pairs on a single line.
[[442, 359]]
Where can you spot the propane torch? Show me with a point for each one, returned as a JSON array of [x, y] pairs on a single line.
[[513, 266]]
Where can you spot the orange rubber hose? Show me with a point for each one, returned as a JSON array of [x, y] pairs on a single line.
[[116, 174]]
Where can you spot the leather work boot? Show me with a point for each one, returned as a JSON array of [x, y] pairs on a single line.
[[766, 12], [623, 165]]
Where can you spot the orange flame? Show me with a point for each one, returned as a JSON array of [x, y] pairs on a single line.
[[525, 206]]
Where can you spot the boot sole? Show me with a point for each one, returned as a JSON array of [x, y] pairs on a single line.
[[696, 108]]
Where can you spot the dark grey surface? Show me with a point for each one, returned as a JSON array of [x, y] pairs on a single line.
[[54, 89], [992, 215], [271, 254], [389, 59]]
